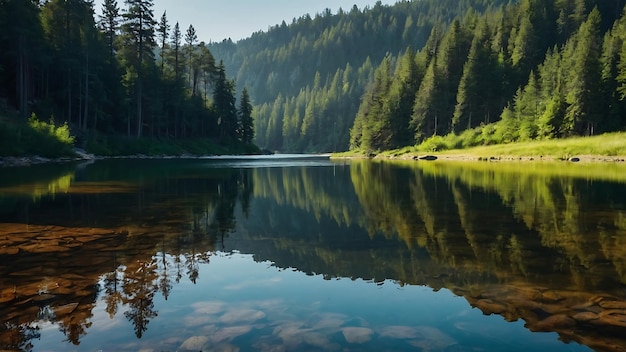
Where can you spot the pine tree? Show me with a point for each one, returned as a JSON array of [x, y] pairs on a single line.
[[138, 32], [176, 42], [551, 95], [246, 123], [273, 134], [376, 132], [163, 35], [425, 117], [583, 79], [612, 44], [473, 97], [109, 23], [528, 109], [190, 40], [224, 104]]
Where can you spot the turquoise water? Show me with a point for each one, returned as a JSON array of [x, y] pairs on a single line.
[[239, 303]]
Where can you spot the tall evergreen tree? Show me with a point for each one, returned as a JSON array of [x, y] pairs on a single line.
[[176, 42], [473, 98], [425, 116], [246, 123], [138, 32], [224, 104], [190, 39], [584, 77], [163, 35], [375, 130], [109, 23]]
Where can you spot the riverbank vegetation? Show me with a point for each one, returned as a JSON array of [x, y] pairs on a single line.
[[120, 76], [35, 137], [533, 71], [608, 144]]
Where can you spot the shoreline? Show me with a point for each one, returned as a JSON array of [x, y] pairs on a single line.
[[81, 155], [589, 158], [586, 158]]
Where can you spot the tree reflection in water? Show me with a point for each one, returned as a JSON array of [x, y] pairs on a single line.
[[544, 247]]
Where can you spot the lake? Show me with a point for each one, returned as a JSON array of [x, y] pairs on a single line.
[[308, 254]]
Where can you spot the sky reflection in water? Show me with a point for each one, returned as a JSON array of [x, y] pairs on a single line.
[[239, 303]]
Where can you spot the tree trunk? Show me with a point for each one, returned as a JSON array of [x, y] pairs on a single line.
[[86, 111], [139, 107], [69, 95], [21, 80]]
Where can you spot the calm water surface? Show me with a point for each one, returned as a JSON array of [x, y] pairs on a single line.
[[305, 254]]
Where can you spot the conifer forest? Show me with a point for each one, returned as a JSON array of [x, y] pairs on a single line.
[[371, 79]]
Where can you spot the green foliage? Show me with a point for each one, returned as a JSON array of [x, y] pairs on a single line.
[[102, 79], [338, 51], [246, 123], [35, 137], [576, 90], [60, 133], [480, 143]]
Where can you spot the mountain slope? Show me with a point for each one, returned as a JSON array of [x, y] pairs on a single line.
[[319, 66]]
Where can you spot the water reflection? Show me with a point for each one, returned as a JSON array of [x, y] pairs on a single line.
[[538, 244]]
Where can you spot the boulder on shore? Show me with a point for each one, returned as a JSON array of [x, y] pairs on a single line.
[[428, 157]]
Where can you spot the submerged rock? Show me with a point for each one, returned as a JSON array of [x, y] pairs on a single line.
[[357, 334], [399, 332], [212, 307], [194, 343], [488, 306], [432, 339], [329, 323], [241, 315], [585, 316], [553, 323], [230, 333], [226, 347]]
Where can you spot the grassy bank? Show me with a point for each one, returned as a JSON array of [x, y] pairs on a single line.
[[607, 145]]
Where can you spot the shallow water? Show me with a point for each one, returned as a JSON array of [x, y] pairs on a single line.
[[308, 254]]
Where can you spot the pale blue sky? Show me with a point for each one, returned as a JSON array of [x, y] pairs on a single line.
[[238, 19]]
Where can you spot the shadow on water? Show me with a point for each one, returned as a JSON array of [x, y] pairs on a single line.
[[539, 243]]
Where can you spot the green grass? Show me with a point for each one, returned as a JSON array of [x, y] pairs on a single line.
[[609, 144]]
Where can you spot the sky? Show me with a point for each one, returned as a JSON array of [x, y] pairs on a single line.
[[237, 19]]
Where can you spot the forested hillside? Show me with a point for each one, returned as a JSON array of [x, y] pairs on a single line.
[[526, 71], [306, 78], [123, 73], [392, 76]]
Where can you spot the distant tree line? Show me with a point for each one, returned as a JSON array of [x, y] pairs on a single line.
[[318, 66], [124, 73], [392, 76]]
